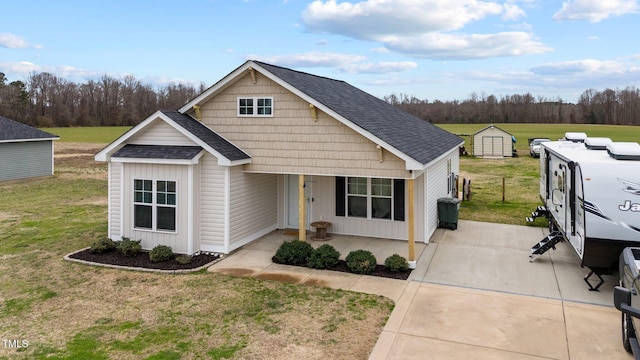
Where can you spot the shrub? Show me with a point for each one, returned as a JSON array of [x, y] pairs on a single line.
[[183, 259], [128, 247], [361, 262], [396, 263], [160, 253], [296, 252], [102, 246], [324, 257]]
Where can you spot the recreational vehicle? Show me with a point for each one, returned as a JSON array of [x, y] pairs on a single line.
[[590, 188]]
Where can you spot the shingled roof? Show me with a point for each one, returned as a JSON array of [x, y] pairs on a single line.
[[13, 131], [208, 136], [158, 152], [417, 138]]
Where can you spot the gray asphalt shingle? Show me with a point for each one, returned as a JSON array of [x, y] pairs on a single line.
[[208, 136], [12, 130], [158, 152], [419, 139]]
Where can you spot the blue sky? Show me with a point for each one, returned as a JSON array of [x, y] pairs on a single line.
[[430, 49]]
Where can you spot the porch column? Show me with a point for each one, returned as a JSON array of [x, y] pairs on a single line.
[[302, 226], [411, 224]]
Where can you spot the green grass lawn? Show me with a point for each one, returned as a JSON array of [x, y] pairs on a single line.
[[94, 135]]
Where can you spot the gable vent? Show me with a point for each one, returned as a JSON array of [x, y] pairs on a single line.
[[624, 150], [596, 143]]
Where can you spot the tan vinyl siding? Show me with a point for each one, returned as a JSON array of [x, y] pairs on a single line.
[[212, 210], [115, 197], [161, 133], [19, 160], [254, 203], [291, 141], [178, 173]]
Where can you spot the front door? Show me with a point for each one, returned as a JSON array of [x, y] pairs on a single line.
[[292, 201]]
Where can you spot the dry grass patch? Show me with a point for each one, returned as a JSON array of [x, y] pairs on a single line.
[[71, 311]]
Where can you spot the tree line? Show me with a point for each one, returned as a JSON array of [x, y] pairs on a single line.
[[613, 107], [47, 100]]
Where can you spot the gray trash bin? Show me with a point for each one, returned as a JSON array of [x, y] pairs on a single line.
[[448, 212]]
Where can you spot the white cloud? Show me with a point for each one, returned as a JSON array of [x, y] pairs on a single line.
[[423, 28], [379, 68], [19, 68], [595, 10], [310, 59], [14, 42], [584, 67], [475, 46]]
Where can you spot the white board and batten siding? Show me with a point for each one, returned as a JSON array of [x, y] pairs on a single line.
[[20, 160], [115, 200], [150, 239], [212, 204], [436, 187], [253, 201], [161, 133], [492, 142]]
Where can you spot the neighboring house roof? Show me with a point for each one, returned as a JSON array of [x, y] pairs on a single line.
[[13, 131], [372, 117], [226, 152], [157, 152]]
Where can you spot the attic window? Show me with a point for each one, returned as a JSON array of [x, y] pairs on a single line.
[[255, 106]]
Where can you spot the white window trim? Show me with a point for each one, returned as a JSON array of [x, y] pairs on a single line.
[[154, 207], [255, 106], [369, 197]]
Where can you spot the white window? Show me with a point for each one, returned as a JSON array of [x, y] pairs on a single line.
[[255, 106], [154, 207], [369, 198]]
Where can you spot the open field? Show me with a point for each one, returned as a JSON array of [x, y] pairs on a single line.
[[521, 174], [70, 311]]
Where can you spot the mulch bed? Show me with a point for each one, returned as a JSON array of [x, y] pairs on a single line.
[[380, 271], [142, 260]]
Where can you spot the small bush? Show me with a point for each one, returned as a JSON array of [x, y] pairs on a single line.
[[361, 262], [160, 253], [324, 257], [128, 247], [296, 252], [102, 246], [183, 259], [396, 263]]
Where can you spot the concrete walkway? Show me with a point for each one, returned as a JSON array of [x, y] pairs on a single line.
[[473, 294]]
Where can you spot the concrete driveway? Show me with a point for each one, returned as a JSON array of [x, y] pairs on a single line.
[[474, 294]]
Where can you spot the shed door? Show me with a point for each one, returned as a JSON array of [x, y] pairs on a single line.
[[492, 146]]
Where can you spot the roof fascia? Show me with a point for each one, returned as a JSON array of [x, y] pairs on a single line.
[[29, 140], [214, 89]]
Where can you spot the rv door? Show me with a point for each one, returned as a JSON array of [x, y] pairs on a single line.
[[559, 203]]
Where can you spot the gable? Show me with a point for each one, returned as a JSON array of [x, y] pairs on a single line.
[[292, 141], [160, 133], [412, 139]]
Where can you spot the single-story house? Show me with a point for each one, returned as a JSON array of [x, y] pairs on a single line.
[[25, 151], [492, 142], [268, 148]]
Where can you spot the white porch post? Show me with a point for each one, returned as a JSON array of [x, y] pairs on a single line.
[[302, 226], [411, 224]]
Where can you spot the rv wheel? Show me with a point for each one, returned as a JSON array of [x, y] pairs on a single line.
[[627, 331]]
